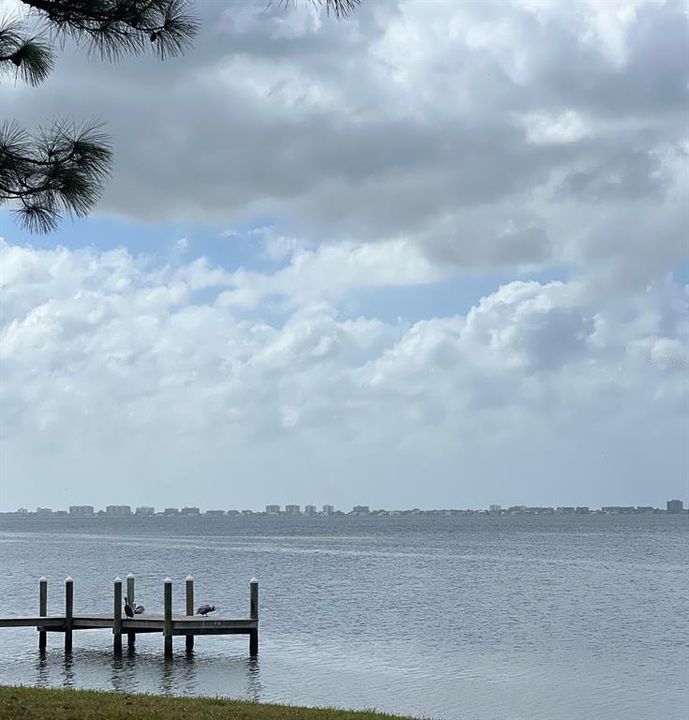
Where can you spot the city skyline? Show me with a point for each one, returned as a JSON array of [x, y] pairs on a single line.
[[672, 506]]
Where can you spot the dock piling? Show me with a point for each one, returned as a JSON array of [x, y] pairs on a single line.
[[42, 611], [190, 609], [167, 616], [131, 637], [69, 613], [117, 615], [253, 615]]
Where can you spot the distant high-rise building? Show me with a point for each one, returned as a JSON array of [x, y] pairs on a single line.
[[190, 511], [171, 512], [361, 509], [675, 506], [309, 509], [145, 510], [293, 509], [118, 510], [495, 508], [272, 509], [81, 510], [328, 509]]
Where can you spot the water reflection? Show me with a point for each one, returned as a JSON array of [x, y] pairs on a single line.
[[68, 670], [42, 669], [236, 676]]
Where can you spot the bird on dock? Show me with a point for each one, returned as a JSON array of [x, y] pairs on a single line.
[[205, 609], [139, 610], [128, 610]]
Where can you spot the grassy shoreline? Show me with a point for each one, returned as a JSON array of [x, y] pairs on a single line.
[[28, 703]]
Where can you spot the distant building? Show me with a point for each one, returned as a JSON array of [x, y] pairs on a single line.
[[675, 506], [361, 509], [328, 509], [22, 511], [582, 510], [565, 510], [494, 508], [187, 511], [81, 510], [44, 511], [215, 513], [272, 509], [618, 509], [645, 509], [293, 509], [233, 513], [171, 512], [145, 510], [118, 510], [309, 510]]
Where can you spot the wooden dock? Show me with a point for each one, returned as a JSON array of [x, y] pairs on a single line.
[[168, 624]]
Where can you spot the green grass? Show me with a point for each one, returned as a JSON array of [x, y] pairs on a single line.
[[24, 703]]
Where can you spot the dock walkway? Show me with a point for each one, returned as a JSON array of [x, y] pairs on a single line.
[[168, 624]]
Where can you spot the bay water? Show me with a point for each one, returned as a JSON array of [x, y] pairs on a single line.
[[448, 617]]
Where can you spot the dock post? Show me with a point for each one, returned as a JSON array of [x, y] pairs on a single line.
[[167, 616], [69, 613], [190, 609], [131, 636], [117, 615], [253, 615], [42, 610]]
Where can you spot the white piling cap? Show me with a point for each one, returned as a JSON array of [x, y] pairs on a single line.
[[69, 579], [167, 580], [130, 576], [43, 578], [189, 578], [118, 579], [253, 580]]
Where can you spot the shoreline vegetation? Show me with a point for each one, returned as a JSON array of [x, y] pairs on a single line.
[[29, 703]]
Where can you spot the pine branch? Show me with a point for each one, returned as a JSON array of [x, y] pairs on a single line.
[[112, 28], [31, 57], [60, 170], [340, 8]]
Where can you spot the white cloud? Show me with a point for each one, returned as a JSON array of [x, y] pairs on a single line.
[[109, 363]]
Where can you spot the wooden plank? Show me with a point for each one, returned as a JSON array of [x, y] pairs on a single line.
[[33, 621], [214, 631]]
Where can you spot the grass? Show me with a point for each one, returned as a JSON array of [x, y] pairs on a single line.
[[24, 703]]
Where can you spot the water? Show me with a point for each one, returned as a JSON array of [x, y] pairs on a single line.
[[469, 618]]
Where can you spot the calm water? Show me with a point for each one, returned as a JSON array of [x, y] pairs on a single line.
[[476, 618]]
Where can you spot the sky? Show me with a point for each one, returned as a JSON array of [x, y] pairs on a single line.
[[435, 255]]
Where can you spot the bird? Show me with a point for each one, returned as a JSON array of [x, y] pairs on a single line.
[[139, 609], [205, 609], [128, 611]]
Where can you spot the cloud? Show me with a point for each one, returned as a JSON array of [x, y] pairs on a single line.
[[110, 362], [485, 135]]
